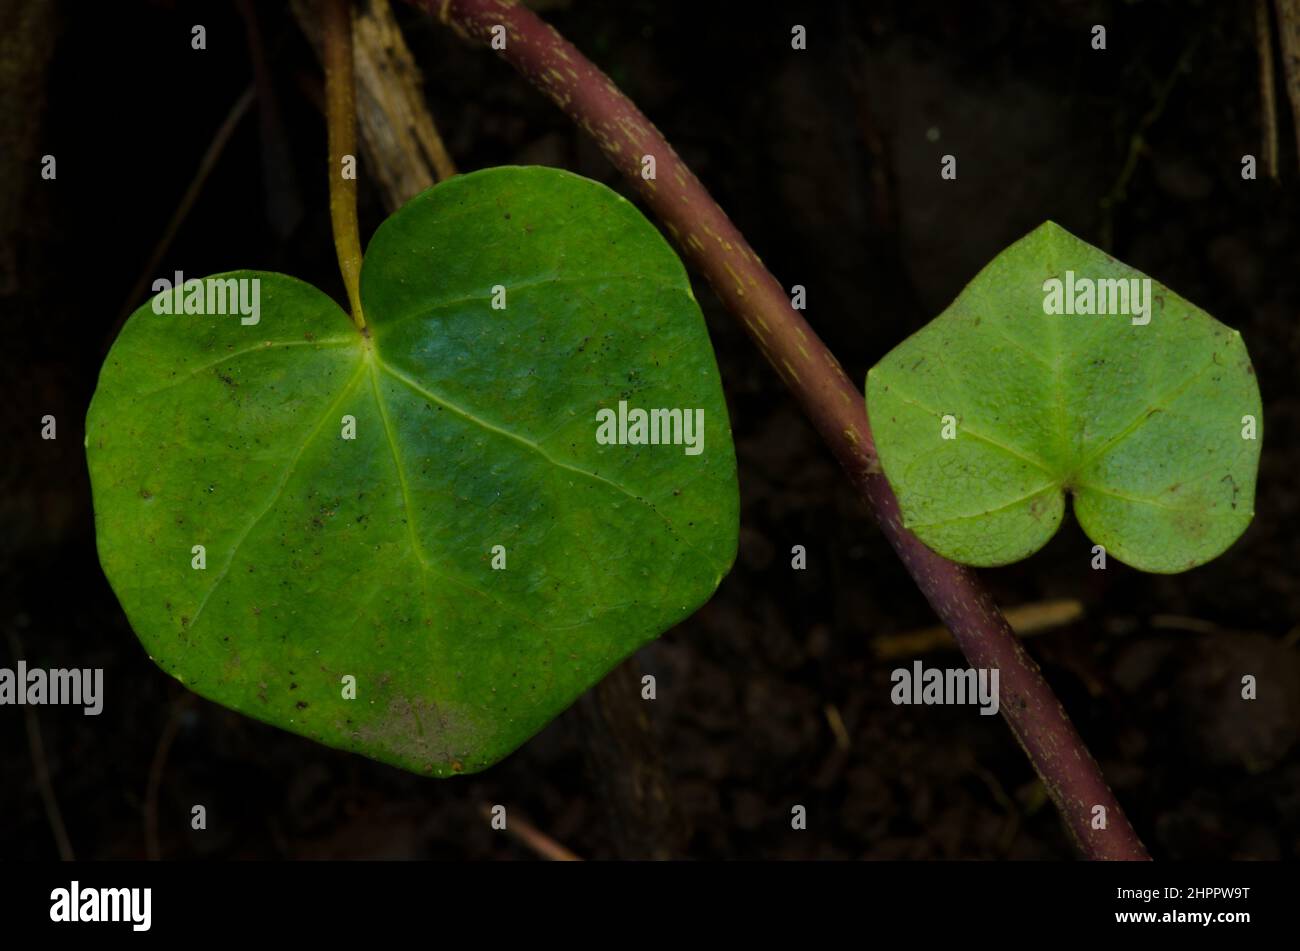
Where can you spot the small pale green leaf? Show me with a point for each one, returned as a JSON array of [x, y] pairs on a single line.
[[376, 557], [1150, 421]]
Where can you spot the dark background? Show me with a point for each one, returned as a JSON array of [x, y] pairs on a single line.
[[823, 160]]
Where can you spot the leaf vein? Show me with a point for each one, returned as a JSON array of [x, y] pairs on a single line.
[[177, 381], [425, 564], [970, 432], [1000, 508], [535, 447], [1142, 417], [279, 489]]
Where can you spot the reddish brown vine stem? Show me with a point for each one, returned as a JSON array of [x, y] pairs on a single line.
[[834, 403]]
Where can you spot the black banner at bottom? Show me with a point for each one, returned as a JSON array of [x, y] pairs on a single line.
[[335, 900]]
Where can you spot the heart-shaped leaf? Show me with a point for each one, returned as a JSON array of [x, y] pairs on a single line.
[[425, 508], [1046, 377]]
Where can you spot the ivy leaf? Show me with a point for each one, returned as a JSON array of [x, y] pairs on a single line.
[[376, 557], [1152, 421]]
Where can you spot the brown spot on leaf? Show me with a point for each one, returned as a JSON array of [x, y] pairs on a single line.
[[422, 732], [1233, 483]]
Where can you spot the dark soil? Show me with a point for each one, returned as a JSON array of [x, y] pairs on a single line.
[[828, 161]]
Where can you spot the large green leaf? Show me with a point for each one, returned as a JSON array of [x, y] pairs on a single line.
[[474, 427], [1142, 422]]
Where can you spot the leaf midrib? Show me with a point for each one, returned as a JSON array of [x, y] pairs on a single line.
[[1068, 480], [988, 440], [371, 361], [1161, 403], [416, 547]]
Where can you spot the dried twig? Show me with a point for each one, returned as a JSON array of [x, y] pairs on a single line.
[[1025, 620], [40, 765], [152, 840], [403, 150], [534, 838], [1267, 93], [206, 165], [1288, 31]]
